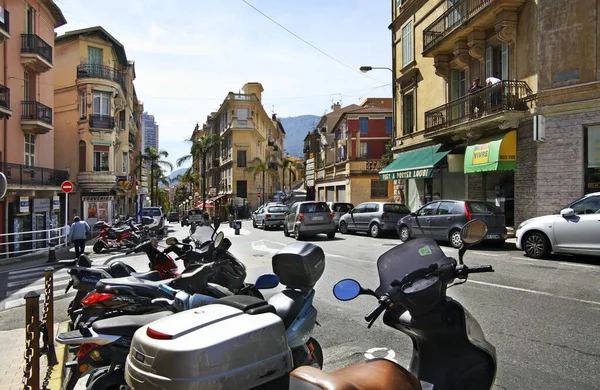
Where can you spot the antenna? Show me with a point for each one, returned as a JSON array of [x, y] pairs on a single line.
[[272, 109]]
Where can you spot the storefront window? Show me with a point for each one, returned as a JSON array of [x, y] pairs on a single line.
[[500, 190], [592, 159]]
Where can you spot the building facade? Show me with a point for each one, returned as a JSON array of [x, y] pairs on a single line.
[[34, 201], [521, 137], [149, 131], [98, 120]]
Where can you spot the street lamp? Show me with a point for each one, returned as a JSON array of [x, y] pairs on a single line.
[[366, 69]]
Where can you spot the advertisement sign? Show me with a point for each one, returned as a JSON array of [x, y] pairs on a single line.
[[421, 173], [24, 204], [41, 205], [593, 146], [481, 154], [55, 203]]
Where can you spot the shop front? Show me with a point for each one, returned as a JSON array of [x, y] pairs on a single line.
[[98, 208]]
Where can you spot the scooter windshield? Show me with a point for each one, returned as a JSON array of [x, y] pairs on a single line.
[[406, 258]]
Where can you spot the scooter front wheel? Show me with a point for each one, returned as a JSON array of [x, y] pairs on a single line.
[[98, 247]]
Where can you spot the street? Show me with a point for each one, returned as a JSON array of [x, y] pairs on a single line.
[[543, 317]]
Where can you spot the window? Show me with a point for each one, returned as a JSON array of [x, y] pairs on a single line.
[[241, 113], [241, 159], [82, 104], [589, 205], [316, 207], [399, 3], [379, 189], [125, 162], [592, 159], [388, 125], [394, 208], [407, 44], [372, 208], [82, 156], [428, 209], [242, 188], [101, 103], [483, 208], [94, 55], [445, 208], [364, 125], [122, 120], [277, 209], [101, 158], [497, 62], [359, 209], [26, 86], [342, 207], [407, 114], [29, 20], [364, 149], [29, 150]]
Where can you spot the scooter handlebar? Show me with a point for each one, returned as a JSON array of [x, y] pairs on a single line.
[[476, 269], [167, 289]]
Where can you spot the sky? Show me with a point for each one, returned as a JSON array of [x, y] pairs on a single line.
[[190, 53]]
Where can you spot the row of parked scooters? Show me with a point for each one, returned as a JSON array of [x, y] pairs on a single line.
[[206, 328], [123, 233]]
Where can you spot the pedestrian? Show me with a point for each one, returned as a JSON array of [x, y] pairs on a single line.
[[78, 235], [495, 87], [476, 99]]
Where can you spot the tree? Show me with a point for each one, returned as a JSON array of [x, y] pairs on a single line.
[[288, 165], [388, 155], [200, 149], [262, 167], [153, 158]]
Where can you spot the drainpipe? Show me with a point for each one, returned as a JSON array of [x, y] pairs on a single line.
[[5, 120]]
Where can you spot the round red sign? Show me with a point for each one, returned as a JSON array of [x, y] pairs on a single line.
[[67, 186], [258, 194]]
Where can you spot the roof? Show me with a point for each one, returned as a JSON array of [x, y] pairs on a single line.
[[100, 32], [361, 110], [331, 118], [59, 18]]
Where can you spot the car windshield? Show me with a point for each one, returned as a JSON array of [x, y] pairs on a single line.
[[278, 209], [316, 207], [395, 209], [342, 207], [483, 208], [151, 213]]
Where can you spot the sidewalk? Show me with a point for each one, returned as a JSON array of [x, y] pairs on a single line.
[[12, 360]]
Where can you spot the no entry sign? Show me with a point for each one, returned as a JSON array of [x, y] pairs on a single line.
[[67, 186], [258, 195]]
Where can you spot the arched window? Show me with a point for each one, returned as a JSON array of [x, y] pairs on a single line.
[[82, 156]]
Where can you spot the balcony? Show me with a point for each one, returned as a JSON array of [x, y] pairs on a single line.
[[271, 141], [242, 96], [19, 176], [499, 105], [36, 117], [442, 35], [5, 111], [5, 27], [131, 137], [102, 72], [36, 54], [247, 123], [101, 122], [96, 181], [366, 166]]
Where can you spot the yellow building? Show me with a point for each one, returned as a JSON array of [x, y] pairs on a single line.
[[248, 132], [97, 122]]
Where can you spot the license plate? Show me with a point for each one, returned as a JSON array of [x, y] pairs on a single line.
[[280, 216], [317, 218], [492, 236]]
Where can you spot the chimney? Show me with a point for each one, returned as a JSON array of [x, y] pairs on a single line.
[[274, 117], [253, 88], [336, 107]]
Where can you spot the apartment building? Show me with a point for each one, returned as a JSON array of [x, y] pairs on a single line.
[[149, 131]]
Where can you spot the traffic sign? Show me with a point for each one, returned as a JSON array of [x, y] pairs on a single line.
[[67, 186], [258, 194]]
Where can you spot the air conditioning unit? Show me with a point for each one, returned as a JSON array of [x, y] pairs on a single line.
[[539, 128]]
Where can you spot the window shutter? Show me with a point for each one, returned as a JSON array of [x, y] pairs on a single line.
[[505, 62], [454, 88], [368, 151], [489, 55]]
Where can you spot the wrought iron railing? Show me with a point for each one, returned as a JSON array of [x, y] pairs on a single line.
[[31, 43], [454, 16], [32, 110], [25, 175], [99, 71], [5, 24], [506, 95], [102, 121], [4, 97]]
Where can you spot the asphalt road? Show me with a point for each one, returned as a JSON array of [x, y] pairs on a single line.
[[543, 317]]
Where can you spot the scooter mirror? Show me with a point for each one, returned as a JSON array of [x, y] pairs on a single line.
[[266, 281], [193, 228], [474, 232], [347, 289], [171, 241], [217, 222], [219, 239], [154, 243]]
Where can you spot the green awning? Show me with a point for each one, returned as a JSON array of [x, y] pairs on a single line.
[[497, 153], [415, 164]]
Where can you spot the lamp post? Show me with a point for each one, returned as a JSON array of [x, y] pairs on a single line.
[[190, 201], [366, 69]]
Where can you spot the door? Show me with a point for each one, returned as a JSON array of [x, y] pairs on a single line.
[[30, 21], [422, 222], [95, 61], [444, 217], [370, 212], [353, 221], [579, 234], [39, 223], [290, 217]]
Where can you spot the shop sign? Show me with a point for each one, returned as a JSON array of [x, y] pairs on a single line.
[[481, 154], [55, 203], [41, 205], [420, 173], [593, 141], [24, 204]]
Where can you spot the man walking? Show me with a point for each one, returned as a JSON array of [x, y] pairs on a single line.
[[78, 235]]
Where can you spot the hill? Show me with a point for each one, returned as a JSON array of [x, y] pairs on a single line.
[[177, 172], [296, 128]]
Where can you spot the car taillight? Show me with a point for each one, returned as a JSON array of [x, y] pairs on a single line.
[[154, 334], [331, 214], [385, 216], [300, 217], [468, 212], [95, 298], [267, 215], [85, 349]]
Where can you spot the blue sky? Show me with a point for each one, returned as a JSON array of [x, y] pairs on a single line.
[[190, 53]]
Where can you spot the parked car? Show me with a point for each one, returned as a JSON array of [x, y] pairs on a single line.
[[270, 215], [173, 217], [255, 213], [573, 230], [159, 219], [375, 218], [339, 209], [442, 220], [184, 220], [195, 215], [309, 219]]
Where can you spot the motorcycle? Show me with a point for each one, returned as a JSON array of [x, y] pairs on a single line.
[[449, 347], [111, 238]]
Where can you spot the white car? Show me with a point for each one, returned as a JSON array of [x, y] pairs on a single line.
[[575, 230], [160, 221]]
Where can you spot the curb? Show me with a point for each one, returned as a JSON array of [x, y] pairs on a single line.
[[62, 352]]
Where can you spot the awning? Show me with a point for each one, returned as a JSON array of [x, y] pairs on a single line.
[[217, 197], [415, 164], [497, 153]]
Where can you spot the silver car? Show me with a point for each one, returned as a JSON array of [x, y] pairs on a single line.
[[339, 209], [375, 218], [271, 215], [309, 219]]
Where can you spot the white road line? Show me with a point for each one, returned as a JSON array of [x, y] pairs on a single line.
[[549, 262], [535, 292], [580, 265], [326, 253], [36, 275], [484, 254], [21, 301], [28, 270], [41, 286]]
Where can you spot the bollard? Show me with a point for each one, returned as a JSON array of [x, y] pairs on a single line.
[[31, 371], [48, 316], [51, 253]]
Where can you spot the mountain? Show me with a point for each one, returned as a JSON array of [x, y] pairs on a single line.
[[177, 172], [296, 128]]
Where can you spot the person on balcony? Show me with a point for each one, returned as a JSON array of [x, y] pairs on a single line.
[[78, 235], [495, 87], [476, 101]]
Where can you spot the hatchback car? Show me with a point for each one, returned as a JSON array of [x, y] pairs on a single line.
[[339, 209], [309, 219], [270, 216], [442, 220], [173, 217], [159, 219], [375, 218], [574, 230]]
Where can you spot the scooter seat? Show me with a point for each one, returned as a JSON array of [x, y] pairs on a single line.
[[117, 269], [287, 304], [377, 374], [121, 230], [150, 275], [142, 287], [126, 325]]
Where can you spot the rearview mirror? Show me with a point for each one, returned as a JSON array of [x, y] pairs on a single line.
[[217, 222], [219, 239], [473, 232], [568, 212], [347, 289], [266, 281], [171, 241], [193, 228]]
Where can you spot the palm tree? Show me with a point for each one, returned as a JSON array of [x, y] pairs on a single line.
[[287, 165], [201, 147], [154, 158], [262, 167]]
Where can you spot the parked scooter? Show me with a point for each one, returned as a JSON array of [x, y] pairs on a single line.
[[111, 238], [449, 347]]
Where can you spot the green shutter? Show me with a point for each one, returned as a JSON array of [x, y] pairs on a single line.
[[94, 55], [505, 61], [489, 56]]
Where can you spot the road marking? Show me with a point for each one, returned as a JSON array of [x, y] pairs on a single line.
[[390, 355], [580, 265], [549, 262], [36, 275], [272, 250], [41, 286], [535, 292], [21, 301], [484, 253]]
